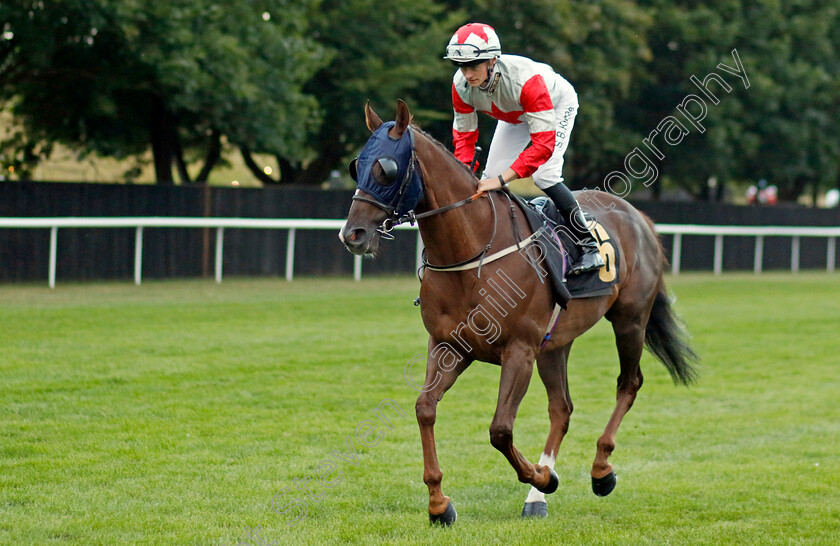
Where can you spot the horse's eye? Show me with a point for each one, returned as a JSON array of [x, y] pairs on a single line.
[[385, 171]]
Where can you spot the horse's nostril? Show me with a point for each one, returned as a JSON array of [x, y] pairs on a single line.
[[353, 235]]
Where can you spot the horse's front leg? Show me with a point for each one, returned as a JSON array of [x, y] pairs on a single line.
[[517, 364], [442, 369]]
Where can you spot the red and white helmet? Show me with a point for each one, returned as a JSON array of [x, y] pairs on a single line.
[[473, 42]]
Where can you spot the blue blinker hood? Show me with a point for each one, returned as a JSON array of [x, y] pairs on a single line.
[[405, 190]]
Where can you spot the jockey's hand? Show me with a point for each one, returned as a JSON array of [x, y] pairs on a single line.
[[489, 184]]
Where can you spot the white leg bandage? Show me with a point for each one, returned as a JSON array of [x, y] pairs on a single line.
[[534, 495]]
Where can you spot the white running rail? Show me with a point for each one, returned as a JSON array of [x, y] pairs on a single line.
[[292, 225]]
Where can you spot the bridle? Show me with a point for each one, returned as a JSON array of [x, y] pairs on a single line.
[[394, 217]]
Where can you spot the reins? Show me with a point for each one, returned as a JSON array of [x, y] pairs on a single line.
[[410, 217], [481, 258], [466, 264], [394, 219]]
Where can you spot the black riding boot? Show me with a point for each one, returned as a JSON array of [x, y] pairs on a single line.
[[565, 202]]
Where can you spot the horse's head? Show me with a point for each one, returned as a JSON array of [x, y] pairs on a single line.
[[389, 183]]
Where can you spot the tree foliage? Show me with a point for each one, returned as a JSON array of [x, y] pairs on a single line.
[[119, 76], [779, 127], [379, 52], [195, 79]]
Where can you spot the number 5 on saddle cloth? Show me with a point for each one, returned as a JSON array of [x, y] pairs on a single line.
[[552, 260]]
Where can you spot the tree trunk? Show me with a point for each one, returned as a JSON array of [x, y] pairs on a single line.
[[178, 155], [721, 191], [214, 154], [656, 190], [317, 172], [162, 145], [255, 169], [288, 170], [793, 191]]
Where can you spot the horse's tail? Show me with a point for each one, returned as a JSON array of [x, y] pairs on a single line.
[[666, 336]]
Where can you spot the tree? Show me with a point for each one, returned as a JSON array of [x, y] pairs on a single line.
[[794, 47], [193, 79], [118, 76], [378, 52], [779, 128]]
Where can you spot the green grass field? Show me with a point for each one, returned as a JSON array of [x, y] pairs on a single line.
[[174, 412]]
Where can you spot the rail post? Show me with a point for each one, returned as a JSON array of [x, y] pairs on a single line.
[[290, 254], [220, 248], [53, 254], [138, 255]]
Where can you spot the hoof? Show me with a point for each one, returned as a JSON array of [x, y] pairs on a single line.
[[535, 510], [604, 486], [445, 518], [553, 482]]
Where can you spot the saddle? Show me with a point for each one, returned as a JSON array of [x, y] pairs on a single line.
[[556, 249]]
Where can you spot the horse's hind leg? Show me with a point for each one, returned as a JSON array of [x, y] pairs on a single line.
[[517, 364], [552, 368], [629, 338]]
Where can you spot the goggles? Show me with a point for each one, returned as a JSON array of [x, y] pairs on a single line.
[[464, 53]]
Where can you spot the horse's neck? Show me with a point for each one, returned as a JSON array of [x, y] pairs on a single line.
[[460, 233]]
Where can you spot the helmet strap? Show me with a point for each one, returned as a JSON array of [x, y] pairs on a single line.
[[492, 81]]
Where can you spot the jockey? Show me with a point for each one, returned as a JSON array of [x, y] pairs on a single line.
[[533, 105]]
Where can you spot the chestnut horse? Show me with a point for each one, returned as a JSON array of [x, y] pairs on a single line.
[[500, 312]]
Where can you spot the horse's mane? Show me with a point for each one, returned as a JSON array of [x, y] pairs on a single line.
[[446, 153]]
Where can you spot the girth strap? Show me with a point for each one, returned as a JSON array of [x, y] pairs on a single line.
[[473, 262]]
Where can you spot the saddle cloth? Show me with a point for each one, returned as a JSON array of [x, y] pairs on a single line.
[[556, 257]]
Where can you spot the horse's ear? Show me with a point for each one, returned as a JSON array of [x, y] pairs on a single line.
[[402, 121], [371, 118]]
